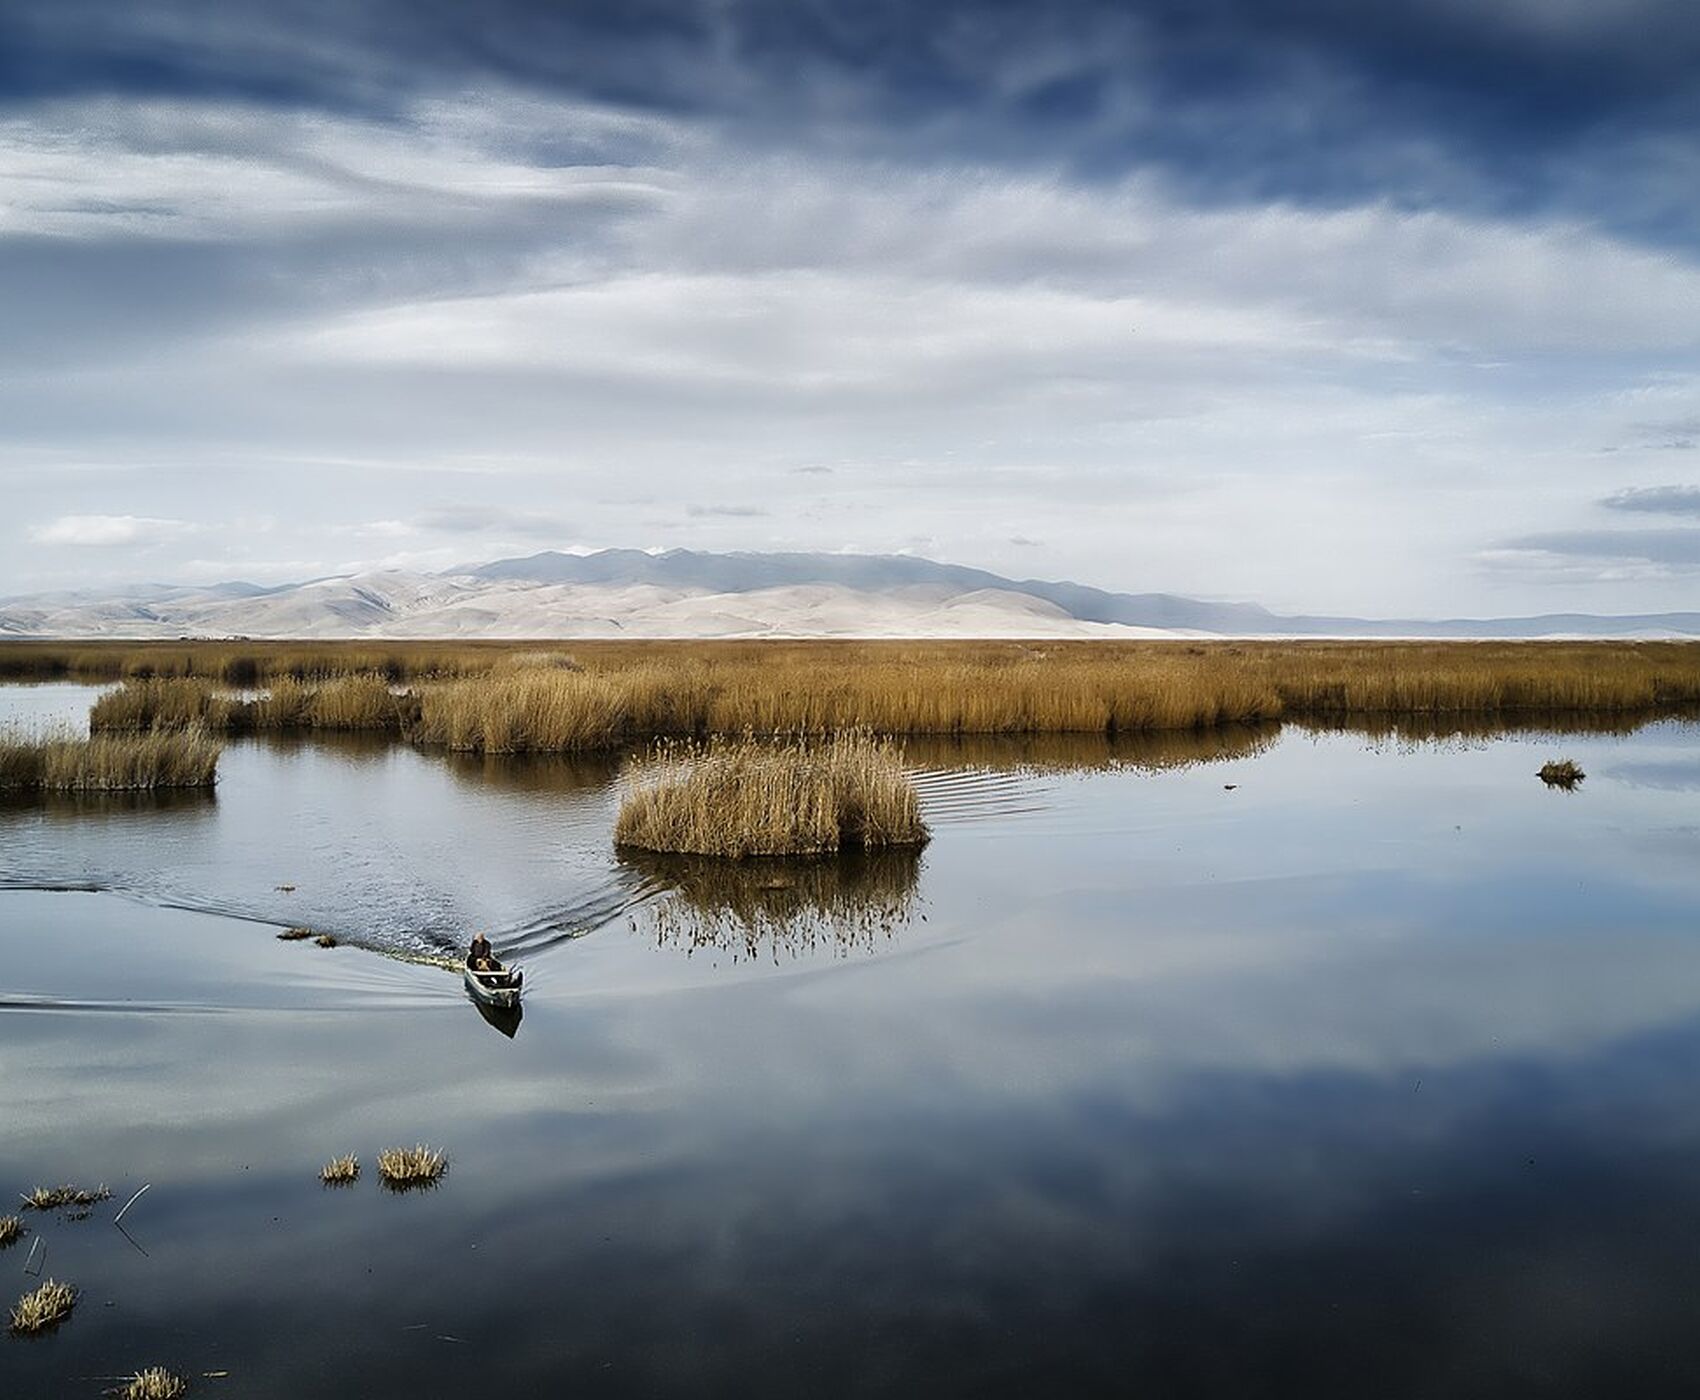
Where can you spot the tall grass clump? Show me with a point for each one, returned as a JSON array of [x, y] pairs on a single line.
[[749, 797], [1564, 773], [43, 1308], [109, 762], [11, 1230], [406, 1168], [339, 1171], [155, 1383]]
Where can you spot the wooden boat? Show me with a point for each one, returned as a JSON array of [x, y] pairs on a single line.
[[500, 989]]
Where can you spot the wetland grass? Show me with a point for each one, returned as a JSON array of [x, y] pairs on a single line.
[[326, 940], [65, 1197], [512, 698], [1561, 774], [294, 935], [410, 1168], [108, 762], [340, 1171], [155, 1383], [749, 797], [11, 1230], [43, 1308]]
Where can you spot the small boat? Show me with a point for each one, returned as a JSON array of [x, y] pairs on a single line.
[[500, 989]]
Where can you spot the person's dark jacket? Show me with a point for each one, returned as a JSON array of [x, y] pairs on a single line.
[[480, 949]]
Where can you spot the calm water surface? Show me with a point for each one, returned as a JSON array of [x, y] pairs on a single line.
[[1376, 1073]]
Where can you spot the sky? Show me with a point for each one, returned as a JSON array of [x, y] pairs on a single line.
[[1335, 307]]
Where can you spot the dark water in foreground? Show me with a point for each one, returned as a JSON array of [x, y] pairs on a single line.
[[1375, 1075]]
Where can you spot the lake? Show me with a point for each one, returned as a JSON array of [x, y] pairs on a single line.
[[1269, 1063]]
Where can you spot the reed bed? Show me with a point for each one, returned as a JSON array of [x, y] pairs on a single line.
[[43, 1308], [155, 1383], [62, 1197], [340, 1171], [508, 698], [359, 701], [407, 1168], [108, 762], [749, 797], [11, 1230]]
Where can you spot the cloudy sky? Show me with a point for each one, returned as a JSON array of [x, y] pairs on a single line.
[[1332, 306]]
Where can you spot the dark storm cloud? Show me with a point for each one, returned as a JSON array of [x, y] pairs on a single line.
[[1656, 500], [1502, 104]]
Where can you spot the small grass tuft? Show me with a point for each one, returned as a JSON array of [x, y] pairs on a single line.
[[339, 1171], [155, 1383], [1563, 774], [58, 1197], [11, 1230], [44, 1308], [326, 940], [294, 935], [406, 1168]]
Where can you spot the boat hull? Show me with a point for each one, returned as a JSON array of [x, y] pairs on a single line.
[[503, 993]]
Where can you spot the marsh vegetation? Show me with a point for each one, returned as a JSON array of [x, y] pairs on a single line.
[[108, 763], [339, 1171], [407, 1168], [751, 797], [506, 698], [1563, 773], [43, 1308], [11, 1230], [155, 1383]]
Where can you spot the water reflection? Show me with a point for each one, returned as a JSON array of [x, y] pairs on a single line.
[[1044, 753], [773, 908]]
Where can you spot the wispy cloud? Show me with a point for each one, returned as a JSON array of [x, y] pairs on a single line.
[[1656, 500], [728, 512], [108, 531], [487, 520]]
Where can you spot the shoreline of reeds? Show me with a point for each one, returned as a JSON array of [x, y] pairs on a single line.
[[140, 762], [496, 699]]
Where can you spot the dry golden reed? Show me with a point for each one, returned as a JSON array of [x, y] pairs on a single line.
[[108, 762], [508, 697], [1564, 773], [11, 1230], [155, 1383], [339, 1171], [403, 1168], [59, 1197], [44, 1307], [750, 797]]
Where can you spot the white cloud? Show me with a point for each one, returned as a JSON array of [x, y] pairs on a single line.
[[108, 531]]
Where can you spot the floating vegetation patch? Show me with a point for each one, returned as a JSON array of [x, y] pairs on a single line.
[[749, 797], [340, 1171], [294, 935], [842, 905], [409, 1168], [64, 1197], [155, 1383], [1562, 774], [326, 940], [44, 1308], [11, 1230]]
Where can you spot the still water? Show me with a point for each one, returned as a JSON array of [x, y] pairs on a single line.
[[1273, 1064]]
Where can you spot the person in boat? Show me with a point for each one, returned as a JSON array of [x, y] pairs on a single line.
[[479, 957]]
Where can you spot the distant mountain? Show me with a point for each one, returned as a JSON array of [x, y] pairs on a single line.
[[686, 593]]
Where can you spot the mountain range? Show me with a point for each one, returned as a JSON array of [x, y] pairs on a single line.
[[686, 593]]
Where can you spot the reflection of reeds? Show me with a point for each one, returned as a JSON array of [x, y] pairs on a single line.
[[43, 1308], [108, 762], [339, 1171], [155, 1383], [845, 903], [1141, 752], [752, 798], [11, 1230], [407, 1168]]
